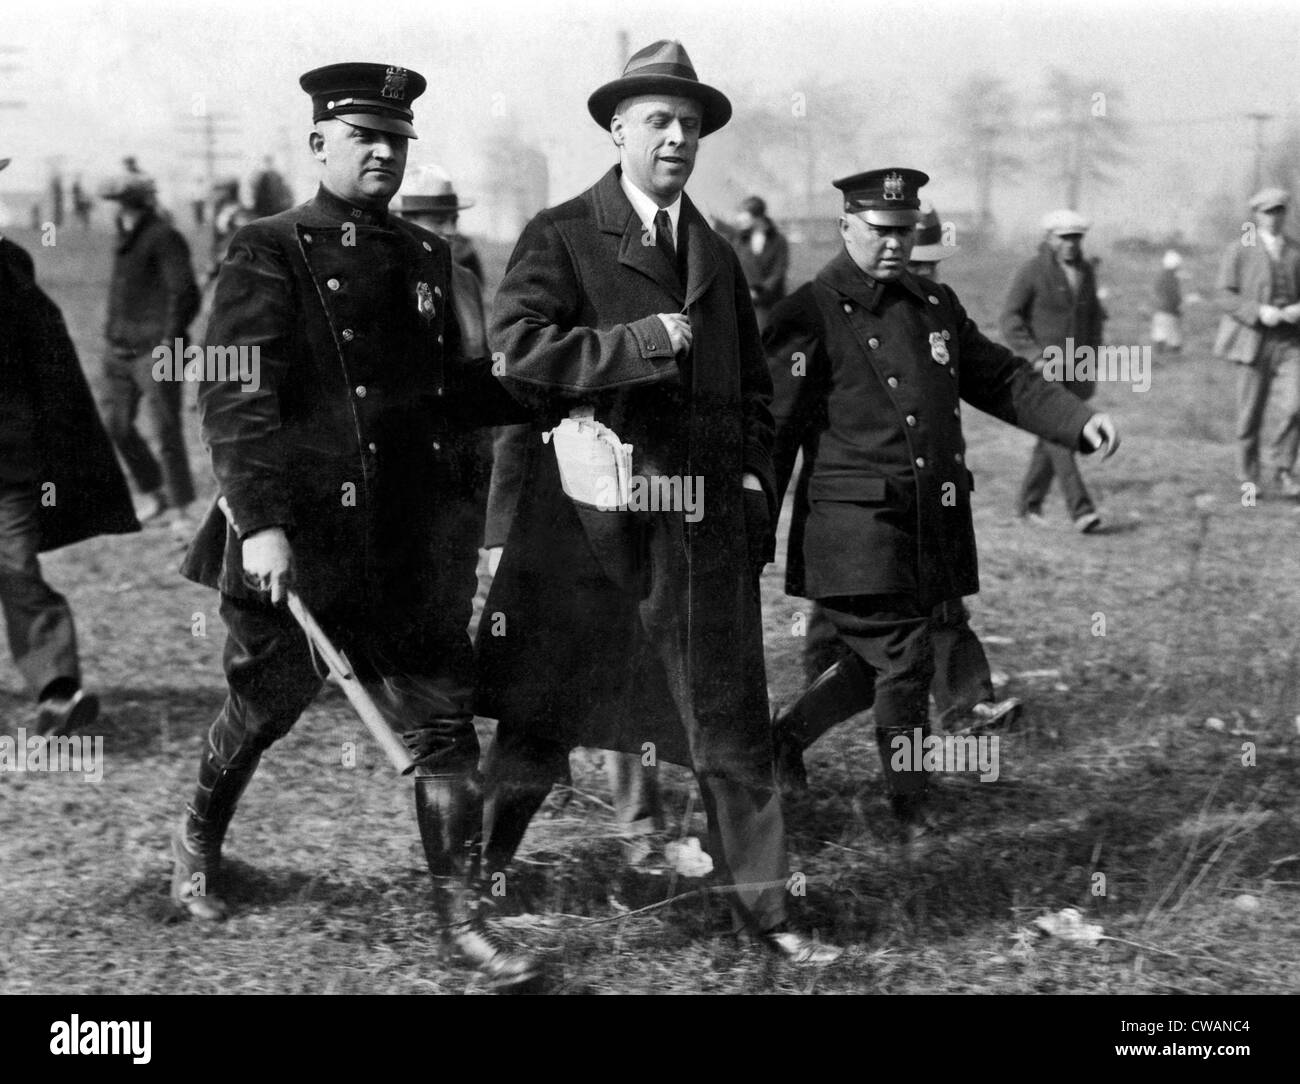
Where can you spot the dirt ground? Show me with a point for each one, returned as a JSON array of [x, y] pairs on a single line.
[[1162, 755]]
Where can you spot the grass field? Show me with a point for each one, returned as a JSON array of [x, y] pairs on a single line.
[[1116, 772]]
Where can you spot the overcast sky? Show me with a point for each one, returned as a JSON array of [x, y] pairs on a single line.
[[101, 79]]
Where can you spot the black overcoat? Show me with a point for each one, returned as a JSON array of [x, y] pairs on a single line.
[[869, 379], [562, 646]]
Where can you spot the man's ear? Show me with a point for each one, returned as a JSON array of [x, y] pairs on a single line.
[[844, 227], [616, 130], [316, 142]]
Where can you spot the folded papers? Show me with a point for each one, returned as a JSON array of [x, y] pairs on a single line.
[[595, 466]]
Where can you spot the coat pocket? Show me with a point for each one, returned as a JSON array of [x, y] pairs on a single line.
[[620, 543], [848, 486]]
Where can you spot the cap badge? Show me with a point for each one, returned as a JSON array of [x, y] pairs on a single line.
[[424, 300], [938, 348], [894, 186], [394, 84]]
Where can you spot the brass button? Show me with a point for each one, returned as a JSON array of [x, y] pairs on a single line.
[[911, 420], [892, 381], [372, 446], [933, 300], [920, 461], [437, 291], [361, 391], [956, 412], [427, 247], [946, 336], [333, 284], [307, 237], [439, 340], [848, 307], [347, 335], [957, 457], [438, 391], [436, 446], [873, 343]]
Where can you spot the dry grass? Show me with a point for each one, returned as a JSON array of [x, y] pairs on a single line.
[[1116, 771]]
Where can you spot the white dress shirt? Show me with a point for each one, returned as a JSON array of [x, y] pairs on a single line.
[[646, 208]]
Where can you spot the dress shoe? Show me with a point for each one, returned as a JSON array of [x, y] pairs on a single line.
[[477, 941], [61, 715], [799, 949], [151, 506], [1034, 519], [993, 715], [1087, 523], [196, 865]]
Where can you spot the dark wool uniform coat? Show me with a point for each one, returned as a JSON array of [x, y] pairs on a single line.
[[561, 643], [869, 378], [1042, 310], [50, 431], [358, 440]]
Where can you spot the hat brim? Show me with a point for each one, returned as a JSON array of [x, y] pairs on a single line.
[[1068, 232], [379, 122], [426, 205], [714, 105], [932, 253], [899, 217], [1272, 207]]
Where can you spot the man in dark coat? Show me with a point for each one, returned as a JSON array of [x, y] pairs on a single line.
[[873, 363], [1053, 303], [1166, 320], [342, 467], [764, 256], [153, 297], [639, 629], [59, 484]]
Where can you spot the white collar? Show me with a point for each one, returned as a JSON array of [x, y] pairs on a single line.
[[646, 208]]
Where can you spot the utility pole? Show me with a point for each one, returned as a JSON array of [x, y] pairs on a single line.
[[210, 127], [1259, 119]]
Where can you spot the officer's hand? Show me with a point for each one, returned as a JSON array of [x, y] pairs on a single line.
[[678, 327], [268, 563], [1291, 314], [1269, 315], [1100, 432], [494, 559]]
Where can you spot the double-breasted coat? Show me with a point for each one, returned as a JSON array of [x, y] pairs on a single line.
[[869, 379], [50, 432], [564, 649], [356, 435]]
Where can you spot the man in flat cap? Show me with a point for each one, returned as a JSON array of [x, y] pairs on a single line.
[[153, 297], [871, 364], [59, 484], [1259, 293], [342, 470], [963, 683], [639, 629], [1054, 298]]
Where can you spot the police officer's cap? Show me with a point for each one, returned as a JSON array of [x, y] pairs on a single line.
[[365, 95], [884, 197]]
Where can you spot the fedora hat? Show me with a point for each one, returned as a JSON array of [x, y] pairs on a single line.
[[929, 247], [430, 190], [661, 68]]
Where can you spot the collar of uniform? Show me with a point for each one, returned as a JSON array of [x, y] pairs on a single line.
[[646, 208], [846, 277], [337, 207]]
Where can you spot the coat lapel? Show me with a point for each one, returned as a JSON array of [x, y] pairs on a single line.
[[615, 215], [701, 260]]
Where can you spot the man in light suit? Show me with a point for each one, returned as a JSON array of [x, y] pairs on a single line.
[[1259, 292]]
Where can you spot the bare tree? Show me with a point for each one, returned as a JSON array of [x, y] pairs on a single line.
[[1081, 134], [982, 118]]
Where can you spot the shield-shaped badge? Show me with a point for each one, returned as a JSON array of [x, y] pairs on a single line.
[[424, 300], [938, 348]]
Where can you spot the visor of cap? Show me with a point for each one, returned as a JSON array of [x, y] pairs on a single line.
[[378, 121], [894, 217]]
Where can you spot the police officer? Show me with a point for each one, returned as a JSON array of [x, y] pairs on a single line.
[[341, 469], [871, 364]]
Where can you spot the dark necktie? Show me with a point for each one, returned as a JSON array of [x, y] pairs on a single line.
[[664, 237]]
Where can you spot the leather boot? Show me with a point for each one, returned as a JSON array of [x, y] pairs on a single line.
[[840, 693], [449, 811], [196, 843], [906, 787]]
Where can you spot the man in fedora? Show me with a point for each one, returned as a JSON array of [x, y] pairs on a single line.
[[59, 484], [963, 684], [341, 469], [1052, 299], [871, 365], [623, 305], [1259, 293]]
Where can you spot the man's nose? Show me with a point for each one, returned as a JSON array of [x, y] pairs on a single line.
[[381, 148], [676, 134]]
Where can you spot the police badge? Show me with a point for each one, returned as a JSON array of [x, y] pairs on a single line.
[[394, 84], [424, 300], [938, 348], [894, 186]]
